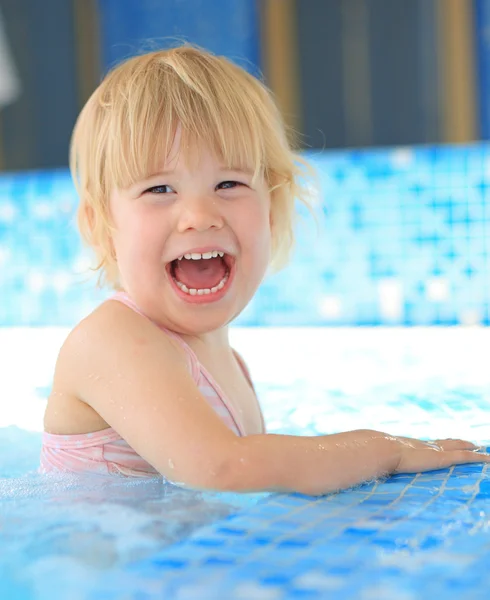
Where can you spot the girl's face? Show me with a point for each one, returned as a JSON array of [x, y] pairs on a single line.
[[183, 210]]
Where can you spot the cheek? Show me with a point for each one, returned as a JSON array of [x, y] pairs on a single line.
[[254, 223], [138, 235], [257, 228]]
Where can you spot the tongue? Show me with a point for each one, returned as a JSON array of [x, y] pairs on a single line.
[[200, 274]]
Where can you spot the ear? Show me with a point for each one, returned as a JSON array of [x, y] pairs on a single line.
[[90, 215]]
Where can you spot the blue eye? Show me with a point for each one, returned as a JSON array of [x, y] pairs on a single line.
[[229, 185], [157, 189]]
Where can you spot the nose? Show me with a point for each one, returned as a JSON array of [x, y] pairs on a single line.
[[199, 212]]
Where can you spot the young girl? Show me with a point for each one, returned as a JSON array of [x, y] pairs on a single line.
[[187, 186]]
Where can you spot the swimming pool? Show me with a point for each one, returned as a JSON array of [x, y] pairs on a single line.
[[410, 537]]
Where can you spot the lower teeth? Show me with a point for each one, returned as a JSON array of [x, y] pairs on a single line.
[[202, 292]]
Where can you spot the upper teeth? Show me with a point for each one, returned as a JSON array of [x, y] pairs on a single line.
[[198, 255]]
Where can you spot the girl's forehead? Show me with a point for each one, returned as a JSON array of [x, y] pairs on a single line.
[[185, 159], [173, 148], [201, 155]]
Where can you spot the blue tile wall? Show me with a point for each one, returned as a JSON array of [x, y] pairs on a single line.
[[402, 240], [405, 538]]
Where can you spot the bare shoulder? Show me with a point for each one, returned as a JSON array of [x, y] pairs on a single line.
[[91, 351], [66, 412], [105, 329], [136, 379], [95, 336]]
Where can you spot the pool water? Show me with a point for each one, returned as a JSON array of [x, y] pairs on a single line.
[[409, 537]]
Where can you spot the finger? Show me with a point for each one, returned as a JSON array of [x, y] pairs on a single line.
[[428, 459], [472, 456], [452, 444], [460, 457]]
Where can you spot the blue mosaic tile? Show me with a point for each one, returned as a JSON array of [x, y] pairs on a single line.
[[389, 220], [345, 544]]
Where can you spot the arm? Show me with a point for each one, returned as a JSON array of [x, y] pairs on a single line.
[[323, 464], [137, 380], [135, 377], [311, 465]]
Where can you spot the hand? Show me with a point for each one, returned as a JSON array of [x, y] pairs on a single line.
[[417, 456]]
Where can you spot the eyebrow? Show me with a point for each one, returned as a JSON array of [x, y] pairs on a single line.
[[238, 169], [231, 169]]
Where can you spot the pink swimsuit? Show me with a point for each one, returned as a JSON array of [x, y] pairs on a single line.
[[106, 451]]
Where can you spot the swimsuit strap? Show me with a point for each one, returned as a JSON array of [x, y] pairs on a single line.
[[194, 365], [124, 298], [246, 372]]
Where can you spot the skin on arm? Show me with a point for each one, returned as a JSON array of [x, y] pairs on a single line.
[[137, 379]]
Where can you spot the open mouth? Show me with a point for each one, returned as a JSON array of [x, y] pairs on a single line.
[[199, 275]]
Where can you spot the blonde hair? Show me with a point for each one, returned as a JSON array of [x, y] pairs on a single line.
[[132, 117]]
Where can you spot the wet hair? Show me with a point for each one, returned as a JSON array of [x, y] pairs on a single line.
[[130, 122]]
